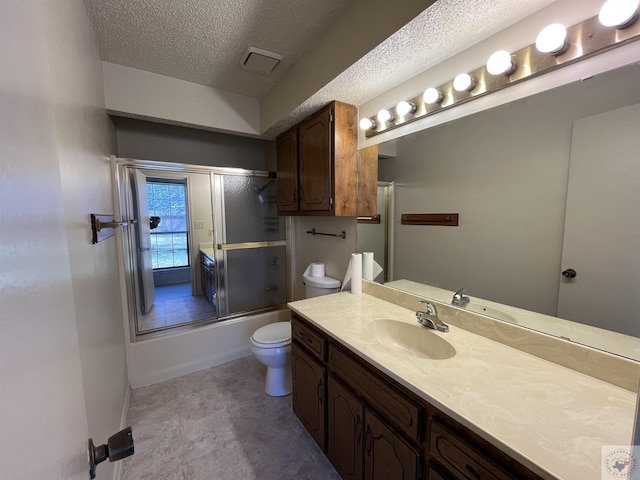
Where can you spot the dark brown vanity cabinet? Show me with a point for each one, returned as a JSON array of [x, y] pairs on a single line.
[[208, 278], [319, 166], [373, 428], [309, 393], [357, 440], [360, 444]]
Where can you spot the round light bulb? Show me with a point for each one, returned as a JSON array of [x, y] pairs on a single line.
[[500, 63], [405, 107], [464, 82], [384, 116], [367, 124], [618, 13], [432, 95], [552, 39]]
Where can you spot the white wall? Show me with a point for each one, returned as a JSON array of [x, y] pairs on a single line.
[[62, 366], [505, 171], [334, 252], [143, 94]]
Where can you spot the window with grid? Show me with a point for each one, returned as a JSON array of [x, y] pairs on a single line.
[[169, 240]]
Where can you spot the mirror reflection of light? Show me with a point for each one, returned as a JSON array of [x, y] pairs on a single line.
[[500, 63], [384, 116], [619, 13], [367, 124], [432, 96], [552, 39], [463, 82]]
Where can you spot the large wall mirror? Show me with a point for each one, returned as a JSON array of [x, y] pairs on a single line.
[[543, 185]]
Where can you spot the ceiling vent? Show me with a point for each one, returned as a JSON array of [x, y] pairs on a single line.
[[258, 60]]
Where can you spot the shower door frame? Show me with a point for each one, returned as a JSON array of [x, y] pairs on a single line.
[[122, 206]]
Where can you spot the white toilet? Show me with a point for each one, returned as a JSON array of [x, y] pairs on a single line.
[[271, 344]]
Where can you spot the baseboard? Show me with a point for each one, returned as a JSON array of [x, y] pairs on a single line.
[[117, 470]]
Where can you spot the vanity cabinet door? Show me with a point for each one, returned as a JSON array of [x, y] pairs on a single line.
[[309, 393], [345, 430], [461, 459], [386, 455], [434, 473]]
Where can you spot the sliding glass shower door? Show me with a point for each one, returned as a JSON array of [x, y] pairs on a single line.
[[231, 214], [251, 245]]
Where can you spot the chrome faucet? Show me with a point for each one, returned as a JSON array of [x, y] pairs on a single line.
[[430, 319], [459, 299]]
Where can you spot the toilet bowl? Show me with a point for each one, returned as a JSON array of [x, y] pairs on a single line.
[[271, 345]]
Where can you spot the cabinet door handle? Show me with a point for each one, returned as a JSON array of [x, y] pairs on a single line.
[[358, 432], [368, 440], [306, 339], [473, 472]]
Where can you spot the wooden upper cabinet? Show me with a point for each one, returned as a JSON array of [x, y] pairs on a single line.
[[315, 162], [319, 166], [287, 156]]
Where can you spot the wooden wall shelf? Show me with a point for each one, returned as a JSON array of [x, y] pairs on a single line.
[[444, 219]]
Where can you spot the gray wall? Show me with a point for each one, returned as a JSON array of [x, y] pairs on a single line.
[[144, 140], [505, 171]]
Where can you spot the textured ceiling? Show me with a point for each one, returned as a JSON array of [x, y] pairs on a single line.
[[201, 41], [441, 31]]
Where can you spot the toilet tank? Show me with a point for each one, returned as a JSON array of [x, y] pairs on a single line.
[[317, 286]]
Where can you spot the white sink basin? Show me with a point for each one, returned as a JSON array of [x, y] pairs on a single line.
[[490, 312], [419, 341]]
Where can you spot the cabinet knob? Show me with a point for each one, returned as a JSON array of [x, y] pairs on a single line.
[[473, 472], [569, 273]]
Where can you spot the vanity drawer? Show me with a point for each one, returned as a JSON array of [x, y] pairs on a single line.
[[461, 458], [313, 341], [395, 407]]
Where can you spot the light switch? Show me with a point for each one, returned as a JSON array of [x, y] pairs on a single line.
[[198, 225]]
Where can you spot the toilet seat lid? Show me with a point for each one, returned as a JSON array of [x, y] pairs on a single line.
[[274, 333]]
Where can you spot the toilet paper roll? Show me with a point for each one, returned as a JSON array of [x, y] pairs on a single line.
[[370, 268], [353, 277], [315, 269], [367, 265]]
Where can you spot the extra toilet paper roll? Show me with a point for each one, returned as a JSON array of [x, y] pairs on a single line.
[[354, 274], [370, 268], [315, 269]]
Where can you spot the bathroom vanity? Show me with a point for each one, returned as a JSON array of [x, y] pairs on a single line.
[[208, 275], [384, 397]]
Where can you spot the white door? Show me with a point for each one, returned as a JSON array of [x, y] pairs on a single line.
[[602, 226], [143, 241]]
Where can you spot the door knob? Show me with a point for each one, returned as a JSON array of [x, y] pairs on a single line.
[[569, 273]]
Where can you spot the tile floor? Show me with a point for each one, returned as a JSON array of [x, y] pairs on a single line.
[[219, 424], [175, 305]]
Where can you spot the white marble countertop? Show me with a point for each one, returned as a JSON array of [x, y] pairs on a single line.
[[552, 419]]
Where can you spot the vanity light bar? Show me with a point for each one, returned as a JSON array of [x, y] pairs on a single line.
[[564, 47]]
